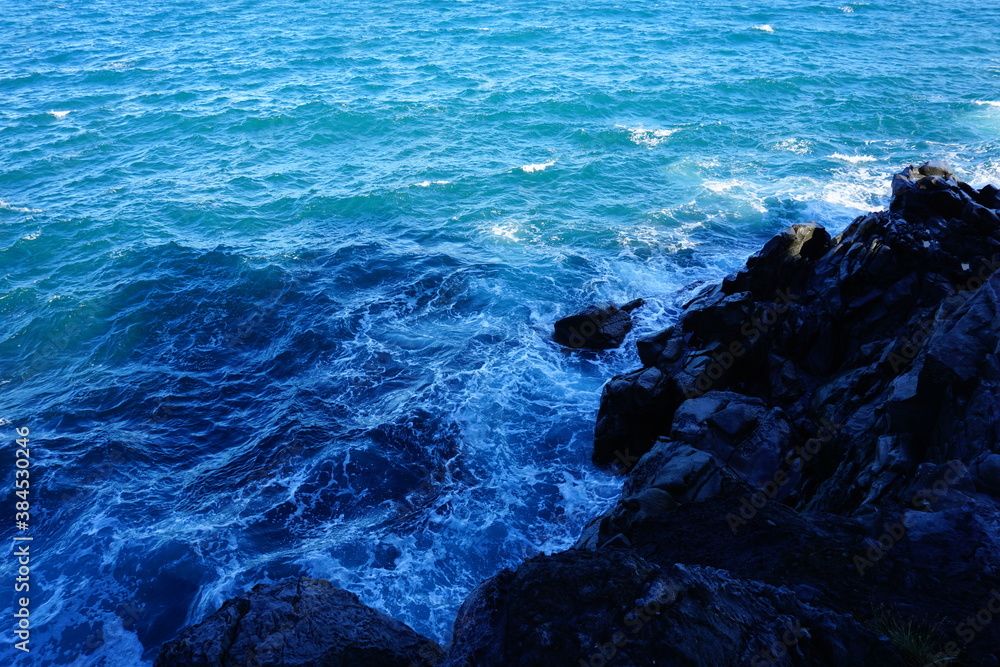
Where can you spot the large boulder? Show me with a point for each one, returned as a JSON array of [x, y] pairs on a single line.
[[298, 622], [890, 332], [613, 607], [597, 327], [827, 419]]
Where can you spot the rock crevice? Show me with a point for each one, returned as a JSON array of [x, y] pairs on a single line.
[[812, 473]]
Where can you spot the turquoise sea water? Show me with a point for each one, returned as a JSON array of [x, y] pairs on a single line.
[[278, 278]]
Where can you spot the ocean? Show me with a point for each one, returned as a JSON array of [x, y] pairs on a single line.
[[279, 277]]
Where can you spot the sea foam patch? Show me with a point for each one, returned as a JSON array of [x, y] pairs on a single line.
[[532, 168], [794, 145], [648, 137], [854, 159], [723, 185], [4, 206]]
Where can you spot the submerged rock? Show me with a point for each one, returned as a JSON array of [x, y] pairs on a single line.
[[299, 622], [597, 327]]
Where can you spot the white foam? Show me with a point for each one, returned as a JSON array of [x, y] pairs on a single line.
[[59, 115], [666, 241], [427, 184], [532, 168], [840, 196], [119, 647], [847, 9], [4, 206], [507, 231], [986, 172], [793, 145], [763, 28], [650, 138], [722, 186], [986, 103], [854, 159], [32, 236]]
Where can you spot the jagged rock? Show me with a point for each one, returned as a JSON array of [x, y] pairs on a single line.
[[614, 607], [889, 330], [811, 446], [597, 327], [989, 473], [686, 473], [740, 430], [831, 387], [300, 622]]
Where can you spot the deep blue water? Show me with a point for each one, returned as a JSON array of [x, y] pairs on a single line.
[[278, 277]]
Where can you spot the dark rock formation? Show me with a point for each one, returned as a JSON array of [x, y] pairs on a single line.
[[303, 622], [614, 607], [813, 472], [813, 442], [597, 327]]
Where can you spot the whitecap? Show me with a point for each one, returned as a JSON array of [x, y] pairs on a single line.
[[505, 231], [836, 199], [722, 186], [647, 137], [793, 145], [847, 9], [853, 159], [532, 168], [4, 206], [763, 28], [664, 240], [427, 184], [986, 103], [32, 236], [980, 173], [59, 115]]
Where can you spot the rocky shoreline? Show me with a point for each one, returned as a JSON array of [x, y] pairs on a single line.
[[811, 477]]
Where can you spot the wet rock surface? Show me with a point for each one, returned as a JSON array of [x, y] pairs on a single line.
[[812, 470], [813, 441], [615, 607], [598, 327], [298, 622]]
